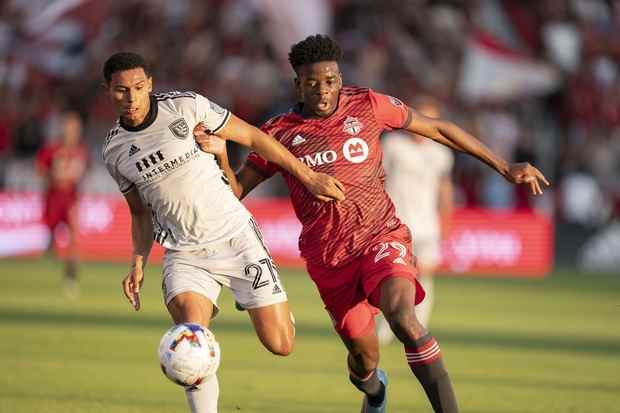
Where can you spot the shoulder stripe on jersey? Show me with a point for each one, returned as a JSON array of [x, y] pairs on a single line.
[[111, 134], [173, 95], [224, 122], [353, 90], [408, 120], [129, 188], [271, 123]]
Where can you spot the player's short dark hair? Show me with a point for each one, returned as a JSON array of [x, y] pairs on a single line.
[[313, 49], [123, 61]]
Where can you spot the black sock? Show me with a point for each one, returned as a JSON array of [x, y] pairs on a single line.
[[426, 364], [372, 387]]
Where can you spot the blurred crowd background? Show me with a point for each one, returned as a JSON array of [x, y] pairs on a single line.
[[536, 80]]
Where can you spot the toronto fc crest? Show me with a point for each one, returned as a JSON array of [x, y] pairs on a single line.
[[179, 128], [352, 126]]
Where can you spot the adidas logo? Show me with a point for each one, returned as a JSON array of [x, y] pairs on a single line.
[[133, 150], [276, 289], [297, 140]]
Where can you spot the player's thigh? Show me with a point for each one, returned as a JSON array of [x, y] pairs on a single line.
[[397, 302], [274, 326], [390, 261], [190, 307], [344, 299], [190, 292]]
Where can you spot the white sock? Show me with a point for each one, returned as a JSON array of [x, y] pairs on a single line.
[[203, 398], [424, 309]]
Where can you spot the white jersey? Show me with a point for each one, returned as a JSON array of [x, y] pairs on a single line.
[[185, 189], [413, 174]]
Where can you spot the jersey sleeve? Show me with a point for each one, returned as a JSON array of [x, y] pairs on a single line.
[[211, 114], [389, 111], [260, 165], [124, 184]]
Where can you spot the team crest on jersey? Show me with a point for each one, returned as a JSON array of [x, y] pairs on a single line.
[[352, 126], [179, 128]]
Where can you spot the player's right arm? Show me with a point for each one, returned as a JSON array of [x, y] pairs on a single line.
[[142, 240], [241, 182], [214, 120], [324, 187]]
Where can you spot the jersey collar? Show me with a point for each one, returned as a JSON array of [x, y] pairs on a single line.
[[148, 120]]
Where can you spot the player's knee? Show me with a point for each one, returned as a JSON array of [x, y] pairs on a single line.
[[282, 344], [365, 360], [404, 323]]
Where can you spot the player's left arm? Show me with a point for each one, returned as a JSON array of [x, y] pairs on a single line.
[[449, 134]]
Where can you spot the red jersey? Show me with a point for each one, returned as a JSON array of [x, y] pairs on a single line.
[[63, 166], [346, 145]]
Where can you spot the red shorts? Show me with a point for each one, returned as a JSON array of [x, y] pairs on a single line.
[[350, 292], [58, 207]]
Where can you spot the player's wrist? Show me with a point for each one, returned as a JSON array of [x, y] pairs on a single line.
[[138, 261]]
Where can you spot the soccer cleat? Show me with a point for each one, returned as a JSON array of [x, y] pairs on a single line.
[[366, 407]]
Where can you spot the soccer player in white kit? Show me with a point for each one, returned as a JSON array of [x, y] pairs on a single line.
[[418, 181], [178, 195]]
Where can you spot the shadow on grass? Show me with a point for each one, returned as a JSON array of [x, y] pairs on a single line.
[[469, 338]]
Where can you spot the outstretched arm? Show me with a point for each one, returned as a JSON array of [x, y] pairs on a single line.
[[451, 135], [324, 187], [142, 240]]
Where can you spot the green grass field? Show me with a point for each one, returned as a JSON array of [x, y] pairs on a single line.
[[512, 346]]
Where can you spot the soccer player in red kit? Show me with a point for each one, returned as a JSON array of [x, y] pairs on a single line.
[[357, 251], [63, 164]]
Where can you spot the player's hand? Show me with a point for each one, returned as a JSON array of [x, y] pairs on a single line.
[[132, 284], [208, 142], [325, 187], [524, 173]]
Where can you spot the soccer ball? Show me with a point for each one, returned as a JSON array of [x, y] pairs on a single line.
[[188, 353]]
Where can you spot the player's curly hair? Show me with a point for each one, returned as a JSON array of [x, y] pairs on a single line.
[[313, 49], [123, 61]]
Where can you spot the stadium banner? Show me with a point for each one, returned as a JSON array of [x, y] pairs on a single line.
[[481, 242]]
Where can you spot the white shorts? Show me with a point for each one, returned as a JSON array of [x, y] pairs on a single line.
[[427, 252], [241, 263]]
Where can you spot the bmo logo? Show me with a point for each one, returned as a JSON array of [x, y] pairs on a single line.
[[319, 158], [355, 150]]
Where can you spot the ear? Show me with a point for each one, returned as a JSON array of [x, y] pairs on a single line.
[[150, 84]]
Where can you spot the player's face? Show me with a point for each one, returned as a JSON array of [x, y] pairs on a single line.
[[129, 91], [318, 87]]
